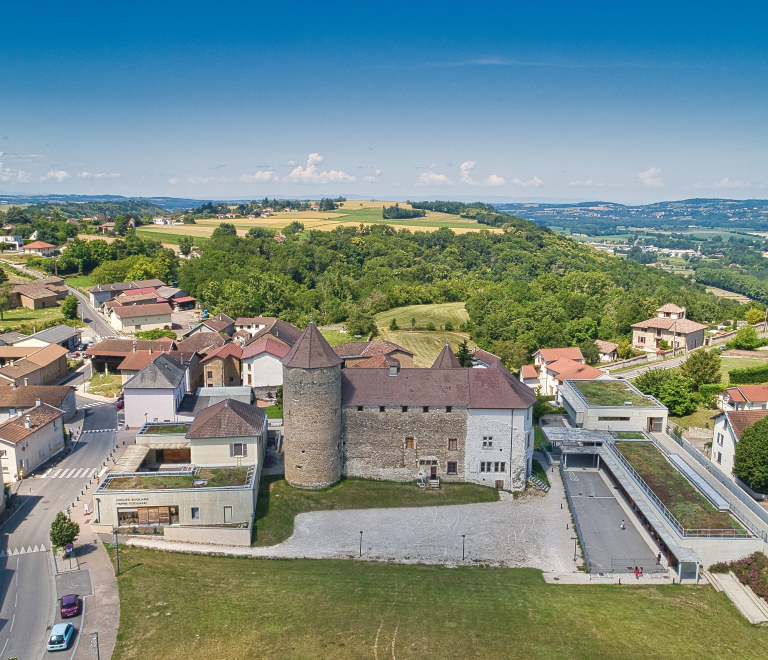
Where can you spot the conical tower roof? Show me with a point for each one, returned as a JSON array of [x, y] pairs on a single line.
[[311, 351], [446, 359]]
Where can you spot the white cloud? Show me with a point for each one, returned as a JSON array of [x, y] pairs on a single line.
[[430, 178], [59, 175], [650, 178], [208, 179], [727, 183], [311, 175], [465, 172], [535, 182], [377, 172], [174, 180], [370, 178], [588, 182], [20, 176], [291, 163], [103, 175], [261, 176], [494, 180]]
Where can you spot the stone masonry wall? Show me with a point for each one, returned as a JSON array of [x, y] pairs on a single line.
[[312, 421], [375, 442]]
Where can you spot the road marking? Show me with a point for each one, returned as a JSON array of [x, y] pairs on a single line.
[[66, 473], [59, 471], [12, 622], [4, 645], [16, 551]]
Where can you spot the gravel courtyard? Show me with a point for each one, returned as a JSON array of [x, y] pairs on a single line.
[[528, 531]]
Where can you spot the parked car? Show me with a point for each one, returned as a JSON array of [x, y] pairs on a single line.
[[70, 605], [61, 635], [81, 347], [120, 404]]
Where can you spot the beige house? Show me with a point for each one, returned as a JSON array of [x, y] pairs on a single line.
[[140, 317], [30, 439], [221, 368], [670, 325], [15, 399], [40, 249], [41, 367]]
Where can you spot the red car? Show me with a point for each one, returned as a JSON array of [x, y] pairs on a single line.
[[120, 404], [70, 606]]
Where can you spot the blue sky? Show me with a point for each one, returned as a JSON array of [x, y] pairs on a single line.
[[628, 102]]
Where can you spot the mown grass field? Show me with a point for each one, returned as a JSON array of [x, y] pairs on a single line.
[[23, 316], [426, 345], [279, 503], [105, 384], [437, 314], [186, 607]]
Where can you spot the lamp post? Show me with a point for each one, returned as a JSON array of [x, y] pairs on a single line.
[[361, 543], [117, 551], [94, 643], [575, 540], [462, 547]]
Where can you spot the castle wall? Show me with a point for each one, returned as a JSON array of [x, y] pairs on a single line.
[[312, 419], [375, 442]]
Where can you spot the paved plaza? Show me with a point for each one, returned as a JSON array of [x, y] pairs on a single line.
[[532, 530]]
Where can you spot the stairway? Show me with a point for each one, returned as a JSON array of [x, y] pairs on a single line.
[[434, 483], [533, 479], [753, 608]]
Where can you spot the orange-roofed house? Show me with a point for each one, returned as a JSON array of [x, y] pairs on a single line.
[[744, 397], [529, 375], [40, 249], [262, 365], [671, 325], [545, 356], [221, 368]]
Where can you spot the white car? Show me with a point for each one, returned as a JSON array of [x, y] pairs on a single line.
[[61, 635]]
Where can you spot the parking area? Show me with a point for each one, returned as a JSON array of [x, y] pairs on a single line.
[[599, 515]]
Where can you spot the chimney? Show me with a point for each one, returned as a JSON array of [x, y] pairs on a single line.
[[26, 382], [37, 403], [27, 421], [13, 385], [134, 345], [150, 351], [12, 361]]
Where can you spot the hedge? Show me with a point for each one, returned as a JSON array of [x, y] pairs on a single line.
[[749, 375]]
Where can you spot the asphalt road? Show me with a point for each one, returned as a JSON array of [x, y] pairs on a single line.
[[27, 586]]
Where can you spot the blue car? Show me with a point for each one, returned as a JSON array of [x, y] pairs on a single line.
[[61, 635]]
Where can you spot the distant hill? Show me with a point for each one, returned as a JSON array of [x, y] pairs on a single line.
[[111, 209]]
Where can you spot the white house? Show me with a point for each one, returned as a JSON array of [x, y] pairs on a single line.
[[607, 350], [744, 397], [262, 363], [18, 241], [729, 425], [155, 392], [130, 318], [29, 439]]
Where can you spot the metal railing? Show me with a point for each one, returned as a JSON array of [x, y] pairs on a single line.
[[673, 522], [575, 520]]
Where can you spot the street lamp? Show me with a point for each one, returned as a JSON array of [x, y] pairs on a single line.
[[361, 543], [117, 550], [575, 540], [462, 547]]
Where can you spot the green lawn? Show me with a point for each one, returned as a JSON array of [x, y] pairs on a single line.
[[437, 314], [169, 237], [700, 418], [629, 435], [334, 337], [82, 282], [216, 478], [425, 345], [185, 607], [690, 508], [540, 472], [274, 412], [163, 429], [105, 384], [728, 364], [538, 437], [19, 316], [279, 503]]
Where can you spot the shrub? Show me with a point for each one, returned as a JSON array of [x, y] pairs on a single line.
[[720, 567], [393, 324], [449, 326], [431, 326], [749, 375]]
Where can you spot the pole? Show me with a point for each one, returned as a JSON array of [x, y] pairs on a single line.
[[361, 543], [575, 540], [96, 640], [462, 547], [117, 551]]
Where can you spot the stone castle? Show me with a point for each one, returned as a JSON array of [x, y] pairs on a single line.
[[392, 423]]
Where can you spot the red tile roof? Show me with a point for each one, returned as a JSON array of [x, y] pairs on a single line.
[[565, 368], [683, 326], [529, 371], [266, 345], [552, 354], [446, 359], [153, 309], [376, 362], [751, 393], [224, 352], [741, 419], [38, 245], [357, 349], [606, 347], [485, 357], [14, 430], [670, 307]]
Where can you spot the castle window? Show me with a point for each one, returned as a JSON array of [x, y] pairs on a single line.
[[405, 408], [449, 409], [359, 409], [487, 442], [452, 467], [381, 408], [502, 467], [495, 467], [482, 467], [409, 443], [238, 449], [425, 409], [453, 444]]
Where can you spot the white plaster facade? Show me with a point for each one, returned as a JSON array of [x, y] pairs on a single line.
[[723, 445], [160, 405], [263, 370], [30, 452], [503, 440]]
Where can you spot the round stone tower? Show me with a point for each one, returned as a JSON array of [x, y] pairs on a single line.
[[312, 412]]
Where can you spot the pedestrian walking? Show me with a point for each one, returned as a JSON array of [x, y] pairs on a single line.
[[658, 559], [641, 573], [623, 526], [637, 573]]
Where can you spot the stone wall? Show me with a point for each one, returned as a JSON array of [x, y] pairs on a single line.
[[312, 419], [375, 442], [222, 372]]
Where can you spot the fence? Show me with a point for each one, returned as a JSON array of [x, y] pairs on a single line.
[[628, 566], [575, 519], [734, 489], [681, 531]]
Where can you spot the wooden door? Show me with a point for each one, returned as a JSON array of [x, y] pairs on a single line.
[[433, 472], [500, 485]]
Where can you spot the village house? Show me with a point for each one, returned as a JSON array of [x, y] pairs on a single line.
[[63, 335], [608, 350], [728, 428], [203, 343], [108, 354], [39, 249], [221, 323], [155, 392], [744, 397], [553, 365], [41, 367], [262, 367], [353, 352], [29, 439], [101, 293], [140, 317], [669, 325], [13, 400], [18, 241], [483, 359], [222, 367]]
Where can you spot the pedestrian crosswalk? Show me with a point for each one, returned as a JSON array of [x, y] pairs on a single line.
[[23, 551], [94, 404], [72, 473]]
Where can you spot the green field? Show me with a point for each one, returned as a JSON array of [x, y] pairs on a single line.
[[105, 384], [23, 316], [184, 607], [173, 235], [334, 337], [437, 314], [279, 503], [426, 345], [82, 282]]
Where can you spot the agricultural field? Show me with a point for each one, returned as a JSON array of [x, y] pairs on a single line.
[[423, 314], [722, 293], [18, 316], [184, 607]]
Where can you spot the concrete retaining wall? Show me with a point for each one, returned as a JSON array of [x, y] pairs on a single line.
[[214, 536]]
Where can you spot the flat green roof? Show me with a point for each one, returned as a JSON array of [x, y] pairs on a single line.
[[226, 477], [611, 393], [165, 429]]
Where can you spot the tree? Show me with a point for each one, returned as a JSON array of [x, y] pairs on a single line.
[[413, 322], [677, 394], [5, 298], [185, 244], [701, 368], [449, 326], [293, 228], [279, 396], [360, 322], [754, 315], [3, 276], [746, 339], [750, 463], [121, 225], [393, 324], [624, 350], [652, 381], [463, 355], [590, 351], [63, 530], [69, 307], [224, 229], [430, 326]]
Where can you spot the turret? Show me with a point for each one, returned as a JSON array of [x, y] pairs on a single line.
[[312, 412]]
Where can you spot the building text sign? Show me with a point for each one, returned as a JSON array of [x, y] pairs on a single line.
[[132, 501]]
